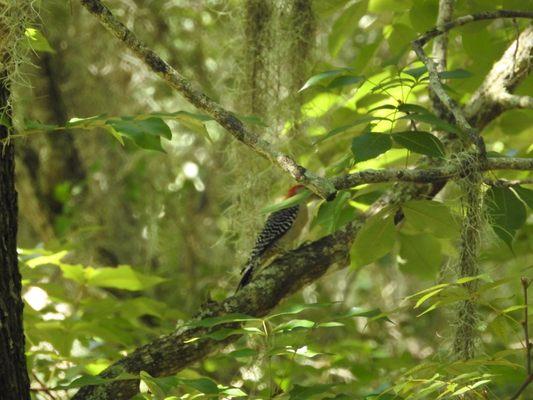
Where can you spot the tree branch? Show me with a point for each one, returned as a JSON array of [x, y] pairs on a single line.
[[434, 81], [511, 101], [465, 19], [528, 345], [507, 182], [513, 67], [436, 87], [440, 51], [321, 186], [285, 276], [440, 44], [427, 175], [171, 353]]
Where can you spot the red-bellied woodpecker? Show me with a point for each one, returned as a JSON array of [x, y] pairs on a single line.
[[281, 229]]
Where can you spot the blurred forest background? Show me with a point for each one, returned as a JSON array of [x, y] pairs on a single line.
[[169, 222]]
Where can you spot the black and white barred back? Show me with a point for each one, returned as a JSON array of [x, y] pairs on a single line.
[[276, 226]]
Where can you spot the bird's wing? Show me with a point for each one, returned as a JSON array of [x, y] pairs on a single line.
[[277, 224]]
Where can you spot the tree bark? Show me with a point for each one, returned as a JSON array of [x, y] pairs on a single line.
[[14, 382]]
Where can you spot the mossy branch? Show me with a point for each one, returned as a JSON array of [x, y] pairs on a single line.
[[177, 350], [494, 94], [427, 175]]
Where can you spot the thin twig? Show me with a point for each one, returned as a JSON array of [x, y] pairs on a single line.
[[43, 387], [529, 378], [507, 182], [440, 45], [465, 19], [525, 285], [437, 88], [440, 50]]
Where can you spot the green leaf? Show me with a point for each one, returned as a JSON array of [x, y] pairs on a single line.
[[391, 83], [146, 133], [75, 273], [181, 116], [413, 108], [422, 254], [420, 142], [331, 324], [298, 308], [221, 334], [318, 78], [89, 122], [383, 107], [243, 353], [152, 385], [375, 239], [294, 324], [37, 41], [54, 259], [117, 135], [252, 119], [383, 396], [423, 14], [305, 392], [344, 26], [375, 313], [507, 213], [430, 289], [467, 279], [370, 145], [348, 127], [87, 380], [121, 277], [298, 198], [345, 80], [232, 392], [514, 308], [434, 121], [525, 194], [224, 319], [332, 214], [455, 74], [36, 125], [84, 381], [416, 72], [427, 296], [426, 216], [203, 385]]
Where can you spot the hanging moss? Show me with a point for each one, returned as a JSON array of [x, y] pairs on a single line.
[[302, 24], [258, 44], [466, 337], [15, 17], [278, 46]]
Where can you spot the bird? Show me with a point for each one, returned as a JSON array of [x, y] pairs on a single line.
[[281, 229]]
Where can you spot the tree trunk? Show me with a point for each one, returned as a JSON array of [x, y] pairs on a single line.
[[14, 382]]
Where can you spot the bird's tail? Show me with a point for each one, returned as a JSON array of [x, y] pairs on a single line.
[[247, 273]]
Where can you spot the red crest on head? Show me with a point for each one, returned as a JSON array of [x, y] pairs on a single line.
[[294, 190]]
